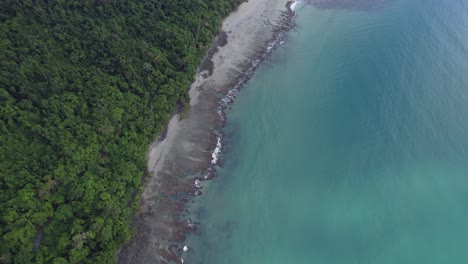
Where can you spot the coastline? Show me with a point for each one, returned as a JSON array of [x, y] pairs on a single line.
[[190, 149]]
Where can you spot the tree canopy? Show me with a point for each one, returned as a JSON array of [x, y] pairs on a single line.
[[84, 88]]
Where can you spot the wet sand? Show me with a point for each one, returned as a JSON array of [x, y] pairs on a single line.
[[184, 156]]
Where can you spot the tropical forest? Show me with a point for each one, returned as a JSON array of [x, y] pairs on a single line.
[[85, 86]]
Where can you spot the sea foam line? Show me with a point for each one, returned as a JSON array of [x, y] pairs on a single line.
[[216, 151], [229, 98], [231, 95]]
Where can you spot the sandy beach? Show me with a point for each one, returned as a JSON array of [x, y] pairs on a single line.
[[184, 156]]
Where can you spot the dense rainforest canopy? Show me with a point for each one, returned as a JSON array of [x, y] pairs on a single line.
[[84, 87]]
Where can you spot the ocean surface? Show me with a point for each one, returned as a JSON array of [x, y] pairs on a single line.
[[349, 145]]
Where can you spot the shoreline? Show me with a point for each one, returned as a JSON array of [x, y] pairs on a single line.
[[189, 149]]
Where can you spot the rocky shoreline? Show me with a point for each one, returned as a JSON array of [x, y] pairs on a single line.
[[190, 150]]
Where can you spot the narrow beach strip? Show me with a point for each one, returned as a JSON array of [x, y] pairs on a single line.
[[191, 149]]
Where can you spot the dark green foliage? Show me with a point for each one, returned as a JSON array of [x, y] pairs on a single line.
[[84, 87]]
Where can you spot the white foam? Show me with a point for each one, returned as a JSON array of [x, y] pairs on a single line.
[[197, 183], [293, 5], [216, 152], [190, 224]]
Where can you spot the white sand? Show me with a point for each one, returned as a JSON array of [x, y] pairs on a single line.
[[159, 149]]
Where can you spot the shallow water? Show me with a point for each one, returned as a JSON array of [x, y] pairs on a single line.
[[349, 145]]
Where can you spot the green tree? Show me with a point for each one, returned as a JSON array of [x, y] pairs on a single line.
[[84, 88]]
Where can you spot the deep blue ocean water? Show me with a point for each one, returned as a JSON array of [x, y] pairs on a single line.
[[349, 145]]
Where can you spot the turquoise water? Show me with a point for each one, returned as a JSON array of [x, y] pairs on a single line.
[[349, 145]]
